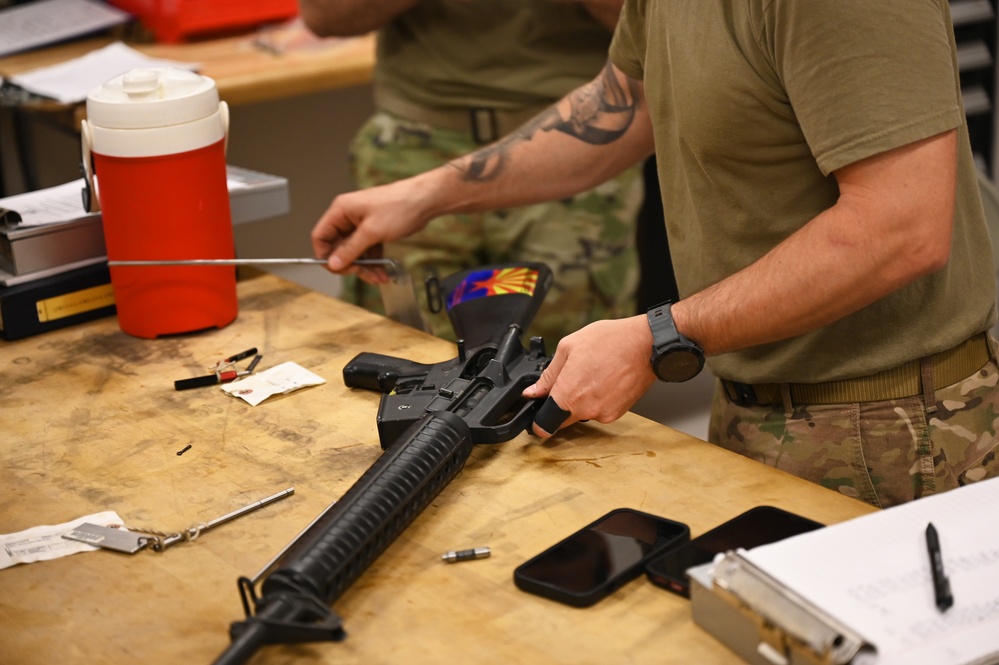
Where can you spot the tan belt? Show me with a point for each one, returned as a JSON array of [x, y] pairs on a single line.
[[484, 124], [947, 367]]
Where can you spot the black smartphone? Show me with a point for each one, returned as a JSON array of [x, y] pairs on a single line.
[[600, 557], [757, 526]]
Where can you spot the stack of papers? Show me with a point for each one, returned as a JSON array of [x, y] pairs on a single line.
[[46, 22], [62, 203]]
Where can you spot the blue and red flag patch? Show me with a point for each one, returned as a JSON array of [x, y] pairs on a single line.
[[484, 283]]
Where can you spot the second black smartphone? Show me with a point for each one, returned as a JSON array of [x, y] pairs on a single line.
[[600, 557], [757, 526]]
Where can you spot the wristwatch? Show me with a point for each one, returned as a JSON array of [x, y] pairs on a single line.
[[674, 357]]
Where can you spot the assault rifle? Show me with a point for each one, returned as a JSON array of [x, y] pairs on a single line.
[[429, 418]]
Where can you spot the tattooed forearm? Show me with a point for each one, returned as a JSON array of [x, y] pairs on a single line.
[[599, 113], [487, 163]]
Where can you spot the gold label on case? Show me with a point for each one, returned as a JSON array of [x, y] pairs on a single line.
[[76, 302]]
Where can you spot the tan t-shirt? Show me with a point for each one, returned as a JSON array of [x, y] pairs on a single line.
[[755, 104], [504, 54]]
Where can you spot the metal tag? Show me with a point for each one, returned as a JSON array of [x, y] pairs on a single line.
[[118, 540], [399, 298]]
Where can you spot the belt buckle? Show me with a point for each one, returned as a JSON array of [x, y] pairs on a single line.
[[485, 126], [741, 393]]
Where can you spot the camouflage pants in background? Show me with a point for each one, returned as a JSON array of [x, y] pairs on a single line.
[[884, 453], [588, 240]]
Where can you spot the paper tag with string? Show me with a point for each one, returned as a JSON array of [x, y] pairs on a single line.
[[42, 543], [108, 538]]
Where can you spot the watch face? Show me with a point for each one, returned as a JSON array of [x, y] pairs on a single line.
[[679, 364]]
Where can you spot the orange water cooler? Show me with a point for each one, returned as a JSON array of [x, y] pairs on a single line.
[[154, 156]]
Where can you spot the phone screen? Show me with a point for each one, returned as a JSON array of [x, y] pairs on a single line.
[[757, 526], [602, 556]]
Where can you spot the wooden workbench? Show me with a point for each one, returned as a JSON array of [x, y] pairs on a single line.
[[91, 422], [256, 66]]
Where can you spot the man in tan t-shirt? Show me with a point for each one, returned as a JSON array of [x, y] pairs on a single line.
[[826, 228]]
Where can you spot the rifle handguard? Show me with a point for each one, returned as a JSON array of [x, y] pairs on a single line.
[[430, 417], [339, 547]]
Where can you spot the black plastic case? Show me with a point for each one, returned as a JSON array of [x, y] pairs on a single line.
[[757, 526]]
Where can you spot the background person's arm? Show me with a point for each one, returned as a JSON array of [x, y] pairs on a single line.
[[605, 11], [345, 18], [588, 137]]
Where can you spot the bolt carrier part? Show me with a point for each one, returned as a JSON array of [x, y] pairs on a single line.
[[466, 555]]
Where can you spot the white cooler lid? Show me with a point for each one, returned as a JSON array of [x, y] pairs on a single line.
[[150, 98]]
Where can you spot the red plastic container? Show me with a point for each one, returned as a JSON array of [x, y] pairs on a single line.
[[178, 20], [156, 140]]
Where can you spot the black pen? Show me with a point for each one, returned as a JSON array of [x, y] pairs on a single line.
[[240, 356], [253, 363], [209, 380], [941, 585]]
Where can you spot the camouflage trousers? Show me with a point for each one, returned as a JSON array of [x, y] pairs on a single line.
[[588, 240], [884, 453]]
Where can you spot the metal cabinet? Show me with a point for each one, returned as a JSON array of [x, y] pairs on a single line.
[[975, 30]]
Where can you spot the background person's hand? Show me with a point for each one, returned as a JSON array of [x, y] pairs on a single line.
[[356, 225]]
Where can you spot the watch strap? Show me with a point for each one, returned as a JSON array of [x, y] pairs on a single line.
[[664, 332]]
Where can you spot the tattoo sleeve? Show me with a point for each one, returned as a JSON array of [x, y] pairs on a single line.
[[599, 113]]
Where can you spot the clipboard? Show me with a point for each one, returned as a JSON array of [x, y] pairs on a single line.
[[763, 621], [862, 592]]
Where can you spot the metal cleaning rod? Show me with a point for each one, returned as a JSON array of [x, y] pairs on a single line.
[[215, 262], [398, 295], [391, 264], [228, 517], [222, 262]]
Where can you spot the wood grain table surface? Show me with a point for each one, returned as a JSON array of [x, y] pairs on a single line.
[[91, 422]]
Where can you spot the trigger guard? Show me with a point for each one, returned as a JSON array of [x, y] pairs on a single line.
[[521, 422]]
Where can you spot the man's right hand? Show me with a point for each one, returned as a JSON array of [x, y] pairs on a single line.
[[590, 382]]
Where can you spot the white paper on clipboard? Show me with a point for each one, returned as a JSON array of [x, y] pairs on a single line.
[[872, 574]]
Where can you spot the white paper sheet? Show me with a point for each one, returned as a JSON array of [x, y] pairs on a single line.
[[48, 21], [283, 378], [52, 205], [42, 543], [873, 574], [70, 82], [62, 203]]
